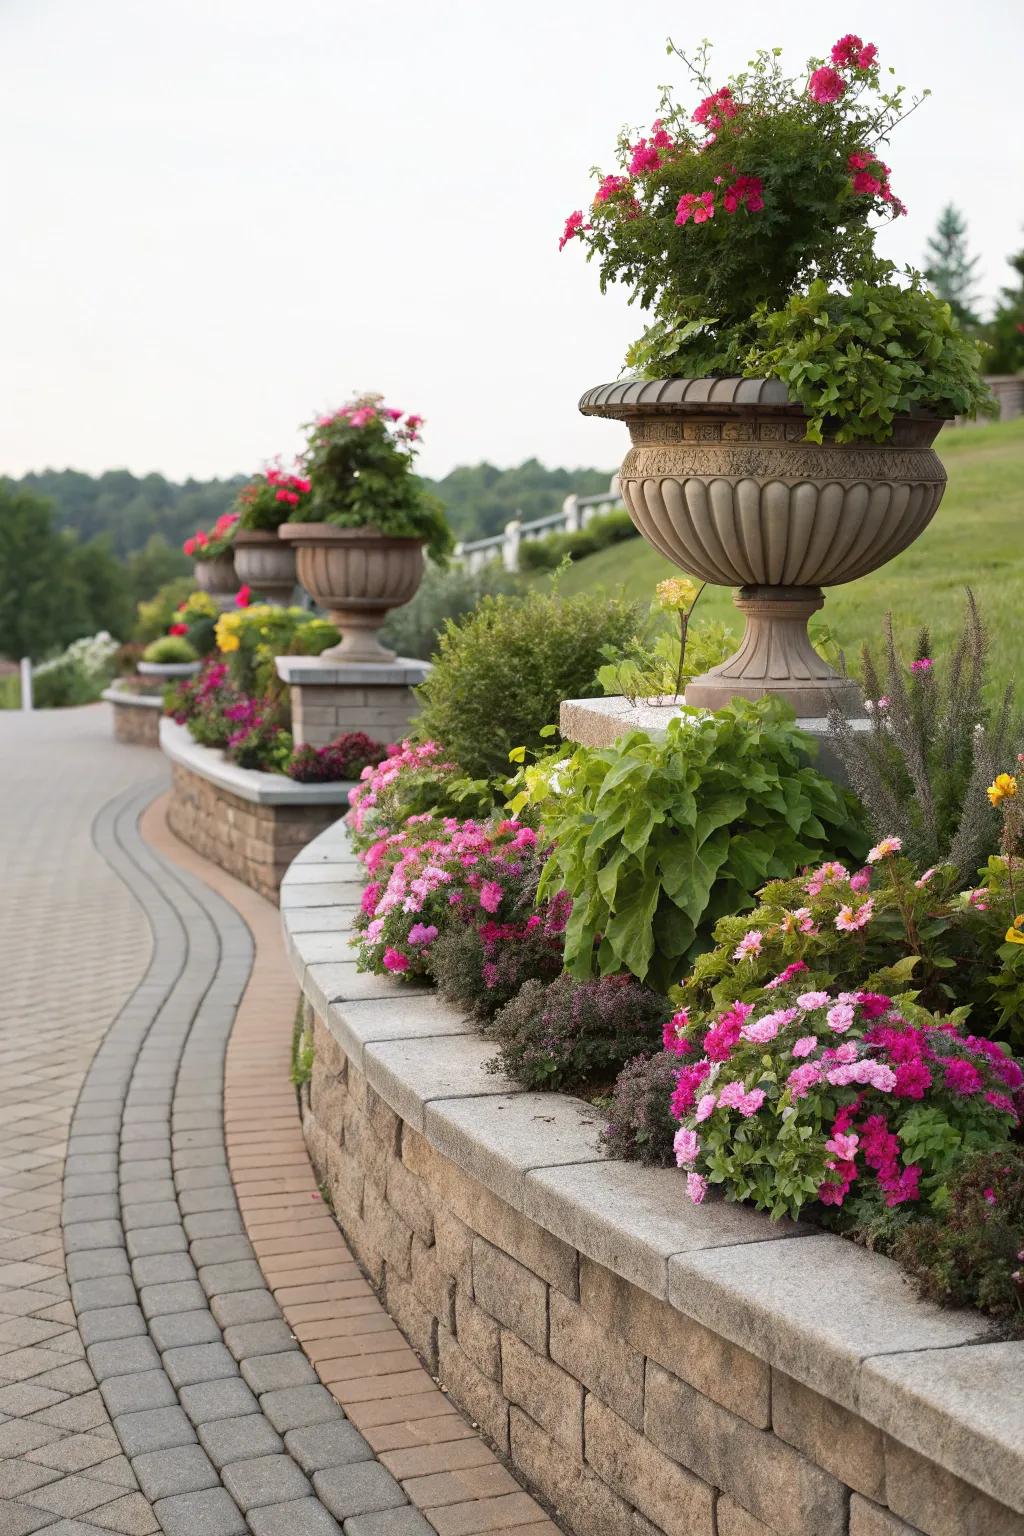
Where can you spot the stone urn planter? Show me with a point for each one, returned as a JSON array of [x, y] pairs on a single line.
[[720, 482], [217, 575], [168, 669], [266, 564], [358, 575]]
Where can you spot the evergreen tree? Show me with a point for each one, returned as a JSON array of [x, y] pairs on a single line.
[[950, 271], [1005, 332]]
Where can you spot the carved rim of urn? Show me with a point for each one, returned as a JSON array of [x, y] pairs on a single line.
[[720, 480], [217, 576], [358, 575], [266, 564]]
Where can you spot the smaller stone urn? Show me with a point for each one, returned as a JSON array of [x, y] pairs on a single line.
[[721, 482], [266, 564], [358, 575], [217, 575]]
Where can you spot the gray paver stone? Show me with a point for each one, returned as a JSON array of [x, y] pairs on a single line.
[[111, 1323], [212, 1512], [133, 1394], [213, 1224], [249, 1339], [327, 1445], [175, 1296], [244, 1307], [198, 1362], [177, 1329], [399, 1522], [239, 1439], [221, 1279], [151, 1213], [147, 1240], [295, 1407], [97, 1264], [120, 1357], [265, 1480], [181, 1469], [195, 1202], [225, 1399], [361, 1488], [103, 1291], [137, 1190], [90, 1208], [153, 1429], [302, 1517], [93, 1234], [163, 1269], [271, 1373]]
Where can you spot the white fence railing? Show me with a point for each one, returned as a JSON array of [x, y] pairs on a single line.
[[576, 513]]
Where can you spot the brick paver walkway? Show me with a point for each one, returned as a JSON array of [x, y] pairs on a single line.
[[149, 1379]]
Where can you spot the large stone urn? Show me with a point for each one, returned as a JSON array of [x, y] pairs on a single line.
[[720, 482], [266, 564], [358, 575], [217, 575]]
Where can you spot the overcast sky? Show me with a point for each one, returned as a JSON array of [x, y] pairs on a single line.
[[223, 216]]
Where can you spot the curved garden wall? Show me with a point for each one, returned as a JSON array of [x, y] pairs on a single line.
[[250, 823], [136, 716], [647, 1365]]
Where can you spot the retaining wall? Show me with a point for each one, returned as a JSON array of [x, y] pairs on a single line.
[[136, 716], [646, 1365]]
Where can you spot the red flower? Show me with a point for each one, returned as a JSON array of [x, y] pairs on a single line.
[[243, 597], [573, 226], [178, 629], [844, 53], [826, 85]]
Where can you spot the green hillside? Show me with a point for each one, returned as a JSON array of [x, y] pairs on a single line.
[[975, 538]]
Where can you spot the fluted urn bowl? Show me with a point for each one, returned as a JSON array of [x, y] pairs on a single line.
[[266, 564], [217, 575], [720, 481], [358, 575]]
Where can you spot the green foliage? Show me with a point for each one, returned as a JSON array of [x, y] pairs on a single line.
[[657, 840], [1005, 331], [480, 499], [359, 463], [153, 566], [856, 360], [970, 1255], [501, 674], [951, 273], [169, 648], [302, 1046], [548, 553], [157, 613], [933, 746], [648, 668], [572, 1034], [443, 594], [640, 1125], [252, 638]]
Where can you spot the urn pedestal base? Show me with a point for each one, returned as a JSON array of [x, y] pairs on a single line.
[[776, 656], [330, 698]]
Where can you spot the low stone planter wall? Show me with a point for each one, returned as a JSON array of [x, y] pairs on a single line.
[[136, 716], [645, 1364], [251, 824]]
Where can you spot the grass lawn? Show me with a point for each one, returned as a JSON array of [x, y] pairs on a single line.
[[976, 538]]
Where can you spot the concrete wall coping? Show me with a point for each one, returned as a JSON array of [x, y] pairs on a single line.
[[247, 783], [841, 1320], [322, 672], [116, 695]]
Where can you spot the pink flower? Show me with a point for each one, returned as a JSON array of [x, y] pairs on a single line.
[[687, 1146], [805, 1045], [369, 899], [860, 881], [751, 1102], [844, 53], [989, 1195], [609, 187], [802, 1079], [732, 1096], [808, 1001], [786, 975], [750, 944], [421, 934], [673, 1036], [871, 1074], [704, 208], [929, 874], [865, 184], [705, 1106], [922, 665], [885, 849], [904, 1187], [873, 1004], [797, 921], [1001, 1102], [843, 1146], [829, 873], [573, 226], [913, 1080], [840, 1017], [696, 1187], [644, 158], [744, 191], [687, 1083], [490, 895], [826, 85], [845, 1052], [867, 56], [860, 161], [850, 919], [963, 1077], [394, 960], [243, 597], [720, 1039]]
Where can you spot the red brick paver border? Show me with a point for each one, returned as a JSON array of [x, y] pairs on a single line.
[[446, 1469]]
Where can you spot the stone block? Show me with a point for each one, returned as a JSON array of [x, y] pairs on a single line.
[[833, 1437], [153, 1429], [412, 1073], [417, 1322], [385, 1124], [474, 1392], [552, 1398], [734, 1520], [868, 1519], [228, 1398], [941, 1504], [435, 1289], [699, 1355], [181, 1469], [410, 1197], [268, 1479], [774, 1482], [511, 1293], [358, 1488], [211, 1512], [585, 1505], [238, 1439], [678, 1503], [387, 1232], [327, 1445], [478, 1334], [270, 1373], [180, 1328], [297, 1407], [601, 1360], [453, 1245]]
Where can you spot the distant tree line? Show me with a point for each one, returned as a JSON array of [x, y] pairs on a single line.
[[952, 274]]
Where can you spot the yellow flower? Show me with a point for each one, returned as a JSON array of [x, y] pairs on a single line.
[[226, 632], [676, 594], [200, 605], [1014, 935], [1004, 788]]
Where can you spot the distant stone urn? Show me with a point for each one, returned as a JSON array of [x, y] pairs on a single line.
[[720, 482], [358, 575], [217, 576], [266, 564]]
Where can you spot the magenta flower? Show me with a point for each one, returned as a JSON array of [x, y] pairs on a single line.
[[490, 895], [394, 960], [826, 85], [922, 665]]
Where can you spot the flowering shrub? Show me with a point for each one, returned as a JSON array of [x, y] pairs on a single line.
[[640, 1124], [252, 732], [169, 648], [253, 637], [271, 498], [345, 758], [655, 840], [481, 966], [419, 874], [359, 464], [572, 1034], [205, 545], [410, 782], [852, 1099], [720, 218], [78, 675]]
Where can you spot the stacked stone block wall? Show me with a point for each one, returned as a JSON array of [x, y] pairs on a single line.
[[138, 725], [254, 842], [628, 1417], [322, 713]]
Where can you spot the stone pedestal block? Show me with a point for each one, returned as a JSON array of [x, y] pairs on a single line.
[[330, 698]]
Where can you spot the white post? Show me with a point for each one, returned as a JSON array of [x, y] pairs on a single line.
[[571, 512], [26, 682], [510, 547]]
